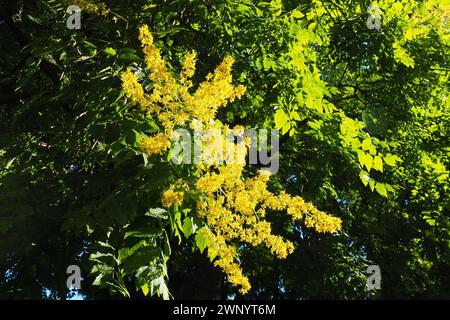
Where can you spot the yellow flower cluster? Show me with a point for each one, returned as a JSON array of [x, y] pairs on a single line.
[[188, 70], [134, 90], [210, 182], [155, 144], [322, 222], [157, 70], [234, 209], [227, 262], [170, 98], [213, 93], [172, 197], [91, 6], [232, 206]]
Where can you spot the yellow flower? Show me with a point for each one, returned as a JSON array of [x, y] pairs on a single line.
[[133, 89], [244, 203], [210, 182], [172, 197], [155, 64], [155, 144], [296, 207], [323, 222], [189, 66], [274, 202]]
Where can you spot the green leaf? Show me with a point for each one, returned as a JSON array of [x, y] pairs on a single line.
[[389, 187], [98, 280], [157, 213], [297, 14], [129, 54], [364, 176], [200, 240], [372, 185], [391, 160], [161, 287], [366, 144], [402, 56], [144, 232], [196, 26], [381, 189], [281, 119], [167, 247], [365, 159], [140, 258], [110, 51], [146, 274], [378, 163], [145, 289], [34, 19], [127, 251], [286, 128], [188, 226], [133, 138]]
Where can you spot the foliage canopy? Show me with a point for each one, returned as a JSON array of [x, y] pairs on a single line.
[[86, 121]]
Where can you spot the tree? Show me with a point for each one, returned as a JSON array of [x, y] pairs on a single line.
[[87, 116]]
